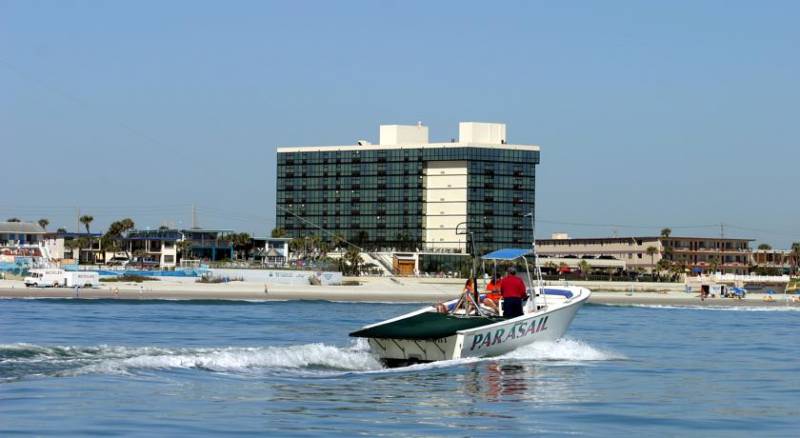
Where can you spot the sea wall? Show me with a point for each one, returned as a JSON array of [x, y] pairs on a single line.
[[275, 276]]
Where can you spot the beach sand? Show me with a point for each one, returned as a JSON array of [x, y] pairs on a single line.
[[370, 289]]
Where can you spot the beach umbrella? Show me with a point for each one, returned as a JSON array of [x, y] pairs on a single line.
[[770, 292]]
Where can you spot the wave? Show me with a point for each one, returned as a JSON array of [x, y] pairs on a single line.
[[776, 307], [563, 350], [20, 360], [321, 360]]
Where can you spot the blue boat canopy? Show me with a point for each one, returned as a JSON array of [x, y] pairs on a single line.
[[507, 254]]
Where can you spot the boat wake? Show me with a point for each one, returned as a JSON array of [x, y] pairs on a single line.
[[563, 352], [19, 361], [566, 350], [27, 360]]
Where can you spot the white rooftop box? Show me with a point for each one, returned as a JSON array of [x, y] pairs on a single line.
[[403, 134], [483, 133]]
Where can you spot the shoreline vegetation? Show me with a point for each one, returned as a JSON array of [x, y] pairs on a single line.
[[379, 289]]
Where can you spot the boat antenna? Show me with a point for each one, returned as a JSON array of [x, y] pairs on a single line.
[[463, 228], [537, 268]]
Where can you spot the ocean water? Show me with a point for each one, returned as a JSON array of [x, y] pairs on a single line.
[[180, 368]]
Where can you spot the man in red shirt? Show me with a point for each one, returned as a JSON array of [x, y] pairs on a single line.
[[514, 291]]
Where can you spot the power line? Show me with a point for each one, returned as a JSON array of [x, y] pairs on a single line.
[[611, 225]]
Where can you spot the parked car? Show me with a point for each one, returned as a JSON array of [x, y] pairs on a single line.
[[118, 261]]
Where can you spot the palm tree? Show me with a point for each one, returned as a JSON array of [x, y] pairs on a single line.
[[13, 219], [796, 255], [113, 238], [278, 232], [585, 268], [663, 265], [44, 223], [765, 246], [315, 244], [337, 240], [714, 262], [652, 251], [352, 262], [296, 245], [323, 248], [183, 248], [665, 233], [241, 242], [86, 220]]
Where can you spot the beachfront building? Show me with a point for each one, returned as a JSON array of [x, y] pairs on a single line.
[[708, 254], [20, 244], [631, 250], [276, 251], [18, 234], [154, 247], [164, 246], [695, 254], [209, 244], [66, 247], [781, 261], [406, 193]]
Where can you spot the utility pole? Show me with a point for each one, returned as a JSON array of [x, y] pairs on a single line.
[[721, 245]]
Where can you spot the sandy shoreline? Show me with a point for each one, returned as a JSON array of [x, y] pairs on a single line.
[[372, 290]]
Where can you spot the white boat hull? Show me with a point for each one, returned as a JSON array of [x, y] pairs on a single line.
[[548, 323]]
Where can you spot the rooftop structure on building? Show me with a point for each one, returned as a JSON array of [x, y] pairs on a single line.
[[406, 192]]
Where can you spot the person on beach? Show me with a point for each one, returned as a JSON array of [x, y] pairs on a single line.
[[513, 290]]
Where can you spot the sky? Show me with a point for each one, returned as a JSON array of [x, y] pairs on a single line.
[[679, 114]]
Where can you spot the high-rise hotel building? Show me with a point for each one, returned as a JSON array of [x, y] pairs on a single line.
[[408, 193]]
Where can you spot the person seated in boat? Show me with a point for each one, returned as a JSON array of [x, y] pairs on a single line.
[[467, 302], [492, 297], [513, 290]]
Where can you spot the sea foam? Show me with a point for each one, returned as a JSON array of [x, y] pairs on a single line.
[[103, 359], [315, 359]]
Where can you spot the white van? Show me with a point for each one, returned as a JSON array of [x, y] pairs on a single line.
[[81, 279], [45, 278]]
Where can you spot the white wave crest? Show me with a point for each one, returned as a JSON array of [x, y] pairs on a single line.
[[566, 350], [77, 360], [307, 356], [777, 307]]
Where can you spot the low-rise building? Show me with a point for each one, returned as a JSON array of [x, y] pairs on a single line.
[[780, 260], [16, 234], [154, 246], [709, 254], [696, 254], [208, 244], [66, 247], [631, 250], [164, 246], [276, 251]]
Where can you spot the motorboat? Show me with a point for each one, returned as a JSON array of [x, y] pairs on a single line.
[[465, 327]]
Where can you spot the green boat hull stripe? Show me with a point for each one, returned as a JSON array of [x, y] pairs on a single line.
[[428, 325]]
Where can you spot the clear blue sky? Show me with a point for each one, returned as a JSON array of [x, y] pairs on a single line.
[[649, 114]]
